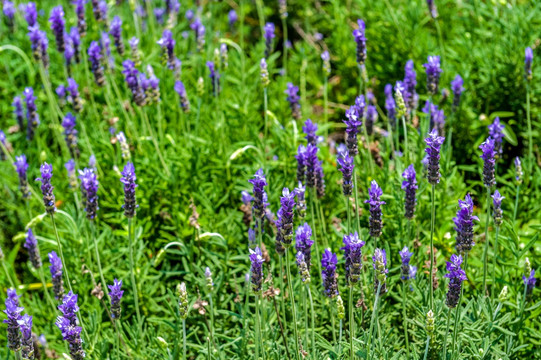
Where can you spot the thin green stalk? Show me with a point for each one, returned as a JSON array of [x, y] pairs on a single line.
[[530, 142], [494, 261], [7, 274], [156, 145], [522, 305], [351, 322], [340, 338], [404, 319], [93, 231], [446, 333], [373, 319], [321, 220], [426, 347], [183, 339], [284, 60], [326, 101], [348, 214], [282, 292], [132, 275], [457, 310], [305, 307], [432, 224], [293, 309], [312, 320], [266, 139], [257, 328], [516, 204], [261, 16], [333, 322], [356, 191], [485, 262], [406, 152], [61, 253], [314, 232], [47, 295]]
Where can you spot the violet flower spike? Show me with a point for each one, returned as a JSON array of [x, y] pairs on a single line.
[[353, 255], [433, 72], [528, 59], [432, 8], [31, 244], [405, 257], [360, 39], [128, 179], [497, 202], [18, 111], [320, 180], [4, 143], [370, 119], [353, 122], [58, 27], [70, 168], [458, 88], [409, 84], [95, 56], [13, 312], [115, 293], [268, 36], [328, 274], [68, 326], [260, 196], [346, 167], [300, 192], [301, 163], [56, 274], [133, 80], [409, 185], [73, 90], [32, 116], [232, 18], [181, 91], [27, 341], [489, 158], [376, 223], [256, 270], [433, 142], [464, 225], [89, 190], [214, 78], [310, 129], [311, 161], [9, 12], [304, 242], [529, 282], [167, 44], [47, 188], [495, 131], [80, 12], [30, 14], [39, 45], [518, 170], [293, 99], [116, 32], [390, 104], [285, 217], [70, 135], [21, 166], [456, 276]]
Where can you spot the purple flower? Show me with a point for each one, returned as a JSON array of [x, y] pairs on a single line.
[[353, 122], [409, 185], [32, 116], [70, 134], [133, 80], [326, 57], [312, 163], [433, 72], [497, 202], [464, 225], [293, 99], [310, 129], [31, 244], [457, 87], [518, 170], [116, 32], [3, 141], [528, 59], [437, 120], [30, 14], [405, 256], [370, 119], [232, 17], [58, 26], [456, 276], [375, 203], [529, 282], [80, 12], [380, 270], [320, 181], [285, 217], [346, 167], [360, 39], [128, 179], [135, 54], [115, 293], [353, 255], [73, 90], [167, 44], [303, 243], [69, 307], [199, 29], [94, 56], [410, 82], [13, 312], [304, 270], [256, 269], [21, 166], [18, 111], [495, 131], [269, 36], [89, 189], [489, 153], [301, 163], [9, 11], [390, 104], [159, 14], [433, 147], [300, 191], [328, 273], [260, 196], [68, 326], [47, 188], [432, 8], [70, 167], [181, 91], [56, 274], [27, 341], [214, 77], [39, 44], [172, 6]]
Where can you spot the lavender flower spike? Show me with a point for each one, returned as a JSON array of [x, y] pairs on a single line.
[[4, 145], [518, 170], [293, 99], [457, 87], [47, 188], [73, 90], [128, 179], [56, 274], [370, 119], [353, 255], [167, 44], [375, 203], [256, 270], [27, 341], [360, 38], [31, 244], [18, 111], [303, 267], [13, 312], [80, 12], [116, 32], [89, 189], [311, 162], [432, 8], [70, 134], [22, 166], [433, 142], [9, 11], [328, 274], [115, 293], [32, 116], [39, 44], [232, 17], [95, 56], [409, 84], [181, 91], [68, 326], [260, 196], [269, 36], [488, 156], [409, 185], [133, 80], [380, 270], [497, 202], [529, 282], [70, 167], [310, 129], [390, 103], [214, 77], [300, 192], [405, 269], [58, 27], [433, 72], [495, 131], [464, 225], [30, 14], [456, 276], [528, 59], [303, 243], [285, 217], [301, 163], [346, 167], [353, 122]]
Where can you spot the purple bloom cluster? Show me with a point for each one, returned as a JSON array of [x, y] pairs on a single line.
[[375, 203], [301, 163], [353, 123], [30, 14], [27, 341], [31, 244], [285, 217], [18, 111], [529, 282], [408, 271], [353, 255], [370, 118], [167, 44], [9, 12], [58, 27], [80, 12], [73, 90], [128, 179], [133, 80], [528, 59], [269, 36], [293, 99], [328, 274], [456, 276], [115, 293], [67, 323], [13, 312], [497, 202], [346, 167], [457, 88], [464, 225], [56, 274], [310, 129], [300, 192], [360, 39], [303, 243], [433, 142], [100, 10], [181, 91], [95, 56], [232, 17], [409, 84], [116, 32], [47, 188], [433, 72], [32, 116], [304, 270], [489, 157], [214, 77], [409, 185], [70, 134], [89, 190], [390, 104], [199, 29], [518, 170], [39, 44], [21, 166], [432, 8], [380, 270], [260, 195], [256, 270], [495, 131]]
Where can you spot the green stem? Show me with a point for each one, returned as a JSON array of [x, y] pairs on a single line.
[[348, 214], [406, 152], [312, 321], [446, 333], [305, 306], [426, 347], [494, 260], [47, 295], [266, 139], [351, 322], [516, 204], [61, 253], [261, 16], [284, 60], [356, 191], [314, 232], [7, 274], [257, 328], [183, 339], [485, 262], [530, 143], [326, 101], [333, 323], [132, 275], [432, 224], [457, 311], [404, 319], [340, 338], [374, 312], [293, 309], [104, 284]]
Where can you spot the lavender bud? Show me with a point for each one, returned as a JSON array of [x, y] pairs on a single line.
[[32, 116], [409, 85], [128, 179], [433, 142], [346, 167], [376, 224], [73, 90], [432, 8], [224, 56], [529, 282], [488, 156], [353, 255], [39, 44], [528, 59], [80, 12], [301, 163], [390, 104], [311, 161], [264, 73], [303, 244], [181, 91], [285, 216], [31, 244], [124, 147], [405, 256], [47, 188], [208, 278], [518, 170], [18, 111], [135, 53], [56, 274], [310, 129], [4, 145], [320, 181], [70, 134], [399, 99], [167, 44], [214, 78], [260, 196], [495, 131], [115, 293], [182, 301], [380, 270], [58, 27], [456, 276], [133, 80], [269, 36], [13, 312], [199, 29], [293, 99], [152, 90], [409, 185], [360, 38], [89, 190], [30, 14], [370, 119], [457, 87], [353, 122], [430, 323], [256, 270], [464, 225], [21, 166], [328, 274], [70, 167], [433, 72], [9, 12], [95, 56], [232, 17], [503, 294], [498, 213], [300, 191], [303, 268], [326, 57], [116, 32]]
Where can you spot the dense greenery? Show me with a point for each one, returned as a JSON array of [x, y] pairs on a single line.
[[192, 166]]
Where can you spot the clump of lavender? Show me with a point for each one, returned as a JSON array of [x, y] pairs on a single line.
[[518, 170], [256, 270], [32, 116], [433, 72], [58, 27], [116, 32], [390, 104], [300, 192], [353, 255], [495, 131], [214, 77], [370, 119], [303, 243], [457, 87], [9, 11], [73, 90], [13, 312], [346, 167], [89, 190], [498, 213], [353, 122], [360, 38], [95, 56], [293, 99], [167, 44], [528, 59], [409, 185], [47, 188], [31, 244], [70, 167], [80, 12], [285, 217], [132, 76], [70, 134], [56, 274], [456, 276], [67, 323], [464, 225], [181, 91], [301, 163], [269, 36], [432, 8], [39, 44], [407, 271], [328, 274], [380, 270], [310, 129], [115, 293], [27, 340], [128, 179], [489, 158], [375, 203], [433, 142], [21, 166], [18, 111]]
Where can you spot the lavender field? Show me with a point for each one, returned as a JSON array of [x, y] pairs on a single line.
[[270, 179]]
